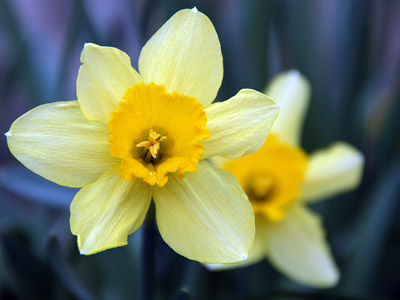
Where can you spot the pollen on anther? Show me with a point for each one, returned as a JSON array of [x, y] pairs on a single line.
[[153, 143]]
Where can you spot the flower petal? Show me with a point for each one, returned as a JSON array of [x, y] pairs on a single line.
[[291, 90], [185, 56], [103, 79], [240, 125], [257, 252], [297, 248], [331, 171], [205, 216], [57, 142], [105, 212]]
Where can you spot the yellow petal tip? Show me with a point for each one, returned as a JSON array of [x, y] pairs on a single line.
[[294, 72], [7, 134], [328, 280], [194, 9], [87, 44]]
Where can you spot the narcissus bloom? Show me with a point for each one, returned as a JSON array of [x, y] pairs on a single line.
[[132, 137], [280, 179]]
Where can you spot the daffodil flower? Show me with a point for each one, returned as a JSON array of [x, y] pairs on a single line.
[[280, 179], [132, 137]]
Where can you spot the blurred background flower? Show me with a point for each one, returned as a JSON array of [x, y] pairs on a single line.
[[280, 179], [348, 49]]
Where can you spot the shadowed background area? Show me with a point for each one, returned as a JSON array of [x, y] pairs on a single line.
[[348, 49]]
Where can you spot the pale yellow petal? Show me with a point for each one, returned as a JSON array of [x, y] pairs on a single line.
[[105, 212], [291, 90], [239, 125], [332, 171], [257, 252], [205, 216], [185, 56], [105, 75], [298, 248], [218, 161], [57, 142]]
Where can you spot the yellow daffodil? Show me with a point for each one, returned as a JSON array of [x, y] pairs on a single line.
[[132, 137], [280, 179]]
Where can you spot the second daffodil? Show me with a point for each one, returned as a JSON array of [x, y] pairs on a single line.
[[132, 137], [280, 179]]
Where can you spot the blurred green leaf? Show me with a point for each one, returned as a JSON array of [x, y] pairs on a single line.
[[371, 231], [33, 278], [182, 294], [20, 181], [64, 272]]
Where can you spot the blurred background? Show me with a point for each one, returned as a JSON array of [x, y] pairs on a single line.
[[348, 49]]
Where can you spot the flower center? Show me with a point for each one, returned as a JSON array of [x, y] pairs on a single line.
[[260, 188], [271, 177], [152, 145], [156, 133]]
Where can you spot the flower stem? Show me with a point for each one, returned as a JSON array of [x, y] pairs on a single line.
[[148, 247]]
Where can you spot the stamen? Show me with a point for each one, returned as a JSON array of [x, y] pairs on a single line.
[[153, 143]]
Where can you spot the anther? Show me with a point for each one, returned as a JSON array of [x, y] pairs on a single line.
[[153, 143]]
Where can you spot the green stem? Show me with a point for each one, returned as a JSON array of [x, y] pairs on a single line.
[[148, 250]]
